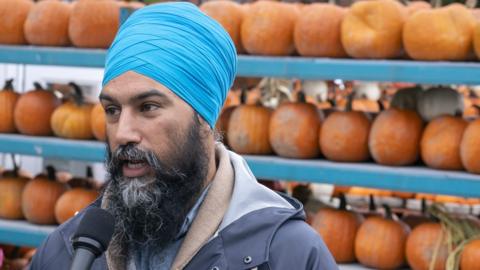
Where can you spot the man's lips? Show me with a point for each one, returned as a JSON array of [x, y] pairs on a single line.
[[135, 169]]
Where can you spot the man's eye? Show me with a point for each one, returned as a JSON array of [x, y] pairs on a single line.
[[111, 110], [147, 107]]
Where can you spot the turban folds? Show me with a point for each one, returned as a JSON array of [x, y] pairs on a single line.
[[180, 47]]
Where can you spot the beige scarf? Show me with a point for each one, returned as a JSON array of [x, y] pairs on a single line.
[[207, 221]]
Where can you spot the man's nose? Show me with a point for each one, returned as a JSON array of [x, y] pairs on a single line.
[[127, 130]]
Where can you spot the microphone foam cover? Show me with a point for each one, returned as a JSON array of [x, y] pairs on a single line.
[[97, 224]]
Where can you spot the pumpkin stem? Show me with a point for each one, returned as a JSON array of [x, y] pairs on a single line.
[[343, 201], [332, 99], [301, 97], [243, 96], [458, 113], [51, 172], [424, 207], [15, 166], [350, 98], [8, 85], [381, 107], [89, 172], [78, 95], [388, 212], [371, 203], [38, 86]]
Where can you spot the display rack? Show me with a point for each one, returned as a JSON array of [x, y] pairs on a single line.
[[23, 233]]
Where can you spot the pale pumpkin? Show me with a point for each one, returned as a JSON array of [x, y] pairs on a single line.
[[72, 119], [439, 34], [39, 197], [470, 256], [98, 122], [470, 147], [47, 23], [33, 111], [11, 188], [317, 31], [395, 137], [13, 14], [8, 100], [338, 228], [294, 129], [421, 246], [373, 29], [440, 145], [94, 24], [439, 101]]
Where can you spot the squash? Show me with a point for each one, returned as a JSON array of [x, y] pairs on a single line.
[[94, 24], [13, 14], [8, 100], [81, 194], [373, 29], [33, 111], [267, 28], [438, 101], [39, 198], [47, 23], [338, 228], [317, 31], [98, 122], [72, 119], [380, 242], [395, 137], [344, 135], [476, 39], [11, 188], [293, 130], [440, 145], [439, 34], [422, 243], [416, 6], [230, 15], [470, 147], [470, 255]]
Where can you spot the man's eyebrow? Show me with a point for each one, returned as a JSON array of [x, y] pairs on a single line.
[[151, 93], [106, 97]]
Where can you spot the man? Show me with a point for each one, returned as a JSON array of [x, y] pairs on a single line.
[[179, 198]]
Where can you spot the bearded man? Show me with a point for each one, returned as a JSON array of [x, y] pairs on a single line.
[[180, 199]]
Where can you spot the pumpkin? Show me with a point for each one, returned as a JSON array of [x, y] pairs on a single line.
[[223, 121], [230, 15], [248, 129], [403, 195], [8, 100], [47, 23], [81, 194], [395, 137], [380, 242], [317, 31], [440, 145], [416, 6], [470, 255], [11, 188], [33, 111], [422, 243], [439, 101], [476, 39], [373, 29], [338, 228], [363, 191], [267, 28], [94, 24], [449, 199], [439, 34], [39, 198], [294, 129], [72, 119], [97, 120], [470, 147], [13, 14], [344, 135]]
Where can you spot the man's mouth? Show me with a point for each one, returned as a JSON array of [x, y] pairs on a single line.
[[135, 168]]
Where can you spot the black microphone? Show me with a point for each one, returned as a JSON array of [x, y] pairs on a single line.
[[92, 237]]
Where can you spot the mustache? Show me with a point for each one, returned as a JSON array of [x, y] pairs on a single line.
[[130, 152]]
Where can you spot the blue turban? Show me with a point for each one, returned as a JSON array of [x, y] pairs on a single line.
[[180, 47]]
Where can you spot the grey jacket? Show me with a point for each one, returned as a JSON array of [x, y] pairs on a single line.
[[260, 230]]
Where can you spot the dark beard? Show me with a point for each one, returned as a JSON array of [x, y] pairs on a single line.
[[151, 209]]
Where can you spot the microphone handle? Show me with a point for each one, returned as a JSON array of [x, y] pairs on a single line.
[[83, 259]]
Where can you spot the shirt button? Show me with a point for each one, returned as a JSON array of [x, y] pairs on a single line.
[[247, 260]]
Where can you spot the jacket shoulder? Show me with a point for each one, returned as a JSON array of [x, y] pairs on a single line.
[[51, 254]]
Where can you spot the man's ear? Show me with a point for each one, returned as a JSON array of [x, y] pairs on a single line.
[[205, 129]]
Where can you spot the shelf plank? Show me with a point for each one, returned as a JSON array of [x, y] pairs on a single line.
[[414, 178], [286, 67], [22, 233]]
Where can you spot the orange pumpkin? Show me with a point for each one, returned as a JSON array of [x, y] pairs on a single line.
[[373, 29], [39, 198], [380, 242], [267, 28], [338, 228], [13, 14], [11, 188], [476, 40], [230, 15], [94, 24], [8, 100], [223, 122], [317, 31], [97, 119], [439, 34], [47, 23], [344, 135], [416, 6], [470, 147], [72, 119], [421, 245], [470, 256], [395, 137], [33, 111], [81, 194], [294, 129], [440, 145], [362, 191]]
